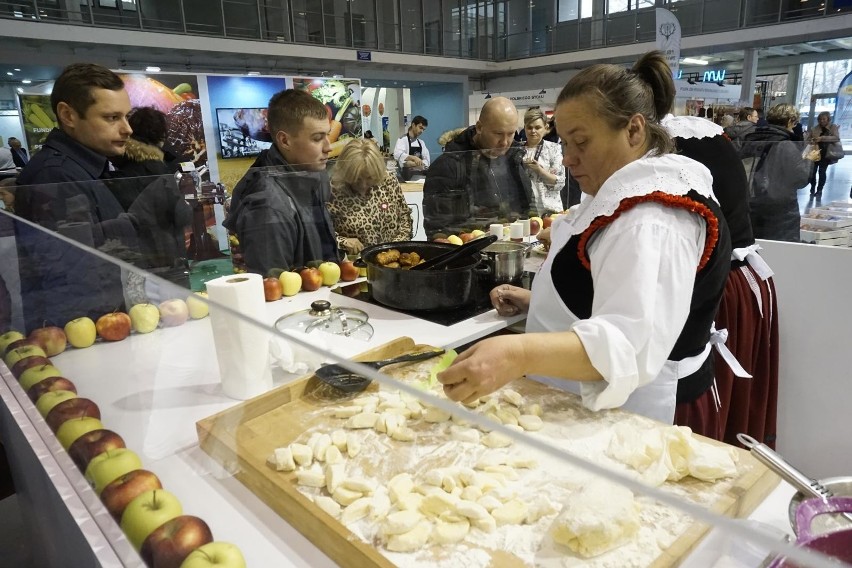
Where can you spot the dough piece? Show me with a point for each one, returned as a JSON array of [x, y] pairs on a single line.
[[338, 438], [507, 417], [366, 400], [282, 459], [512, 397], [335, 473], [434, 477], [328, 505], [514, 427], [302, 454], [530, 422], [471, 493], [412, 540], [471, 510], [491, 458], [485, 524], [503, 494], [410, 502], [534, 409], [459, 421], [356, 511], [319, 446], [347, 411], [523, 462], [400, 485], [333, 455], [464, 434], [415, 409], [363, 420], [427, 490], [380, 505], [496, 440], [401, 522], [512, 513], [473, 403], [489, 502], [438, 503], [403, 434], [388, 423], [435, 415], [492, 416], [540, 507], [361, 484], [396, 403], [709, 462], [596, 518], [353, 445], [506, 471], [450, 532], [345, 496], [312, 477]]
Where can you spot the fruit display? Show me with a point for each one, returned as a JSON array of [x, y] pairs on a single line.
[[81, 332], [114, 326], [51, 338], [173, 312]]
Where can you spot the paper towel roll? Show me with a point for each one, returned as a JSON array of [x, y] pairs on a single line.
[[242, 348]]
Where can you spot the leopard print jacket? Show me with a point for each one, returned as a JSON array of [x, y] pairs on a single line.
[[380, 216]]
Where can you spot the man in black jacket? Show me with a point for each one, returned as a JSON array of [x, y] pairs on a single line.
[[480, 178], [60, 189], [279, 208], [19, 153]]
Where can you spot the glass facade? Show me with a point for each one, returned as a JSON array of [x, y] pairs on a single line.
[[477, 29]]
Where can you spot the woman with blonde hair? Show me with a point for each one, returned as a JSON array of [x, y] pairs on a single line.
[[367, 205], [543, 161]]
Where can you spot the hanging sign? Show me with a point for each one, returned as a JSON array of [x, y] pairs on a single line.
[[668, 37]]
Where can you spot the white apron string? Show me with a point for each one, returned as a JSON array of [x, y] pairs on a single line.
[[718, 338]]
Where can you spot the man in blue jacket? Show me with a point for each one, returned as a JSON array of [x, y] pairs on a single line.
[[60, 189]]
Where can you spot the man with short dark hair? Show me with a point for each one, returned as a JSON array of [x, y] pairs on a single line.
[[410, 152], [480, 178], [746, 120], [280, 215], [19, 153], [60, 189]]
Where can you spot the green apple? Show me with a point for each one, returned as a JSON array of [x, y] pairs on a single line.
[[105, 468], [330, 273], [454, 240], [291, 283], [72, 429], [144, 318], [476, 233], [215, 555], [8, 338], [198, 308], [23, 352], [35, 375], [81, 332], [147, 512], [48, 400]]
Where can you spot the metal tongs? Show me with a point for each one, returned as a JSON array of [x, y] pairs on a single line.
[[810, 488]]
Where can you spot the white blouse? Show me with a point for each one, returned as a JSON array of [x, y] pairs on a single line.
[[547, 197]]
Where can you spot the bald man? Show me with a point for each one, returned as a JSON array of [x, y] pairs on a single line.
[[480, 178]]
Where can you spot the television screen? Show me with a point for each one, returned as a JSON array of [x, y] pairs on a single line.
[[243, 131]]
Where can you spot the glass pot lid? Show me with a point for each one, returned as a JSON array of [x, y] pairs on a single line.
[[330, 319]]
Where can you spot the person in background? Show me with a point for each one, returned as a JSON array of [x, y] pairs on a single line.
[[144, 155], [776, 170], [61, 188], [19, 153], [823, 134], [747, 387], [480, 178], [551, 135], [746, 119], [543, 161], [368, 135], [726, 120], [622, 307], [410, 152], [7, 163], [280, 215], [367, 204]]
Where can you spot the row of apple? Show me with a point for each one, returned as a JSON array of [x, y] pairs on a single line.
[[536, 225], [151, 517], [309, 279]]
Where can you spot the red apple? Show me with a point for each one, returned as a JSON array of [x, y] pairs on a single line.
[[114, 326], [272, 289], [51, 338], [92, 444], [8, 338], [24, 364], [173, 312], [348, 271], [546, 222], [124, 489], [171, 542], [71, 408], [21, 343], [440, 240], [50, 384], [311, 279], [465, 237], [535, 225]]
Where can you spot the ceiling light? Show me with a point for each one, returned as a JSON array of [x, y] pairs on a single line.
[[9, 73], [17, 69], [152, 69], [693, 61], [253, 73], [20, 90], [26, 81]]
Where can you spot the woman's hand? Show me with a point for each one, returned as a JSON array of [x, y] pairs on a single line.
[[352, 245], [510, 300], [484, 368]]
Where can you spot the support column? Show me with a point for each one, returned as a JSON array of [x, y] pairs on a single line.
[[72, 10], [748, 76]]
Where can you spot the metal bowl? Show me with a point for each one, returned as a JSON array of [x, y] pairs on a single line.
[[840, 486]]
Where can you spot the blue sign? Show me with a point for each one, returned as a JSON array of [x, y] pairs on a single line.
[[365, 55]]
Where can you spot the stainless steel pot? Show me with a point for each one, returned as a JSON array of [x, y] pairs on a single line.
[[505, 261]]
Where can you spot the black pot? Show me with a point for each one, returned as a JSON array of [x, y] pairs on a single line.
[[439, 289]]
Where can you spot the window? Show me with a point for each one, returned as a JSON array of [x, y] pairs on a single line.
[[614, 6]]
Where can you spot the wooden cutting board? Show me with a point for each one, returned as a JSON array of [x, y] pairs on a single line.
[[242, 437]]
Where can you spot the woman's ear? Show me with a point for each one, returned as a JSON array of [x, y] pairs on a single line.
[[636, 130]]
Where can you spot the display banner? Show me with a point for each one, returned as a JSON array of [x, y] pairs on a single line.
[[38, 118], [668, 38], [843, 107], [342, 100]]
